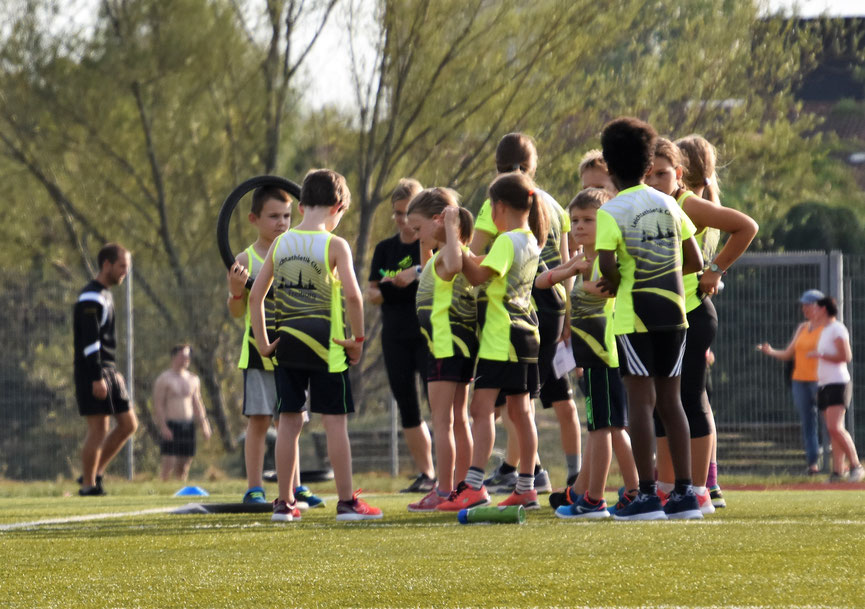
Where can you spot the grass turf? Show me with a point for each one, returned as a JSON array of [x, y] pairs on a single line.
[[767, 549]]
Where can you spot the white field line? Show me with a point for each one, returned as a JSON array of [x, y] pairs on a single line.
[[84, 518]]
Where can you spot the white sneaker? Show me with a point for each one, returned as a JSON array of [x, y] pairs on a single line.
[[856, 474]]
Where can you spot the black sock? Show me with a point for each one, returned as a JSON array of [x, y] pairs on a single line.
[[682, 485], [648, 487], [537, 468], [506, 468]]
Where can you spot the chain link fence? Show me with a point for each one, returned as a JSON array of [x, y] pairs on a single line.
[[41, 432]]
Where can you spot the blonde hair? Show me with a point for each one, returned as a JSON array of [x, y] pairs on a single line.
[[406, 188], [699, 158], [593, 159], [432, 201]]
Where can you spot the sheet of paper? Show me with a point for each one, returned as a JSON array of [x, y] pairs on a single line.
[[563, 361]]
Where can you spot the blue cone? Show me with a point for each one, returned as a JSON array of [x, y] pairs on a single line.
[[187, 491]]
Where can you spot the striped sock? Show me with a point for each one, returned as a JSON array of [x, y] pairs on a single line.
[[475, 478], [525, 483]]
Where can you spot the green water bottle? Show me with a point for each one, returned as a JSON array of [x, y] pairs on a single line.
[[490, 513]]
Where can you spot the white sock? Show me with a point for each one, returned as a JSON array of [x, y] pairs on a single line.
[[666, 487], [700, 490]]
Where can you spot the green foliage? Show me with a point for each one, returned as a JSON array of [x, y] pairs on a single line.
[[767, 549]]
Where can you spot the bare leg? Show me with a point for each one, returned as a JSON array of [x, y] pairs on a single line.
[[625, 457], [569, 426], [842, 443], [420, 447], [181, 467], [339, 453], [441, 400], [641, 403], [483, 426], [521, 413], [602, 454], [512, 450], [462, 433], [582, 483], [126, 424], [701, 456], [664, 462], [167, 466], [287, 435], [97, 429], [254, 448], [669, 405]]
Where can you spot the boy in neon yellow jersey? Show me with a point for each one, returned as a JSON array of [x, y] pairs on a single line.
[[645, 242], [311, 269]]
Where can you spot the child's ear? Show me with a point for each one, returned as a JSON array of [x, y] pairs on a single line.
[[649, 171], [252, 218], [679, 173]]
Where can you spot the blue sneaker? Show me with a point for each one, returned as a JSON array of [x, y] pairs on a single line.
[[254, 495], [683, 506], [583, 509], [624, 500], [642, 507], [302, 493]]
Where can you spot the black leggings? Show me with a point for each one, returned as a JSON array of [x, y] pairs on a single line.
[[404, 358], [702, 327]]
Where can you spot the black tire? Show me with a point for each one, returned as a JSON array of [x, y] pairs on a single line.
[[224, 219]]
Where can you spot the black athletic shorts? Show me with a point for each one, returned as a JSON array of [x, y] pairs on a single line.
[[834, 394], [182, 442], [117, 401], [550, 326], [656, 353], [605, 398], [329, 392], [456, 369], [512, 378]]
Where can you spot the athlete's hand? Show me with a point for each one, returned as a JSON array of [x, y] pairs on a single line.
[[607, 286], [100, 389], [166, 434], [237, 276], [205, 429], [267, 350], [709, 282], [403, 278], [353, 349]]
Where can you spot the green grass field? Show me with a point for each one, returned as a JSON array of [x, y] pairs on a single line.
[[767, 549]]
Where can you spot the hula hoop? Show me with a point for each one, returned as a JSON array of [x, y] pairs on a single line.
[[227, 209]]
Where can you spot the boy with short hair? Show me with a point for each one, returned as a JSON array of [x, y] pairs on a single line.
[[645, 242], [310, 268], [271, 215]]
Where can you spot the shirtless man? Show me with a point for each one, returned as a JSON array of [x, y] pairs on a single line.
[[177, 406]]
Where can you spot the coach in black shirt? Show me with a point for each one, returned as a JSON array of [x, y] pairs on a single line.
[[99, 387]]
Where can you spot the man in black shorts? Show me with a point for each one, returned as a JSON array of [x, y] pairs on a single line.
[[99, 387]]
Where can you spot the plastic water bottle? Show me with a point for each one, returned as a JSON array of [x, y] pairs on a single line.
[[488, 514]]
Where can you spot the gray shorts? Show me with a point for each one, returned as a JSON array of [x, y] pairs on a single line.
[[259, 393]]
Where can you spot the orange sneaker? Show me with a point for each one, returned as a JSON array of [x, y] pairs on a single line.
[[428, 504], [664, 497], [528, 500], [464, 497], [356, 509]]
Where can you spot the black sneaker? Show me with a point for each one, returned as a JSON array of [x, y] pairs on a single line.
[[683, 506], [422, 484], [92, 491], [80, 481], [565, 497]]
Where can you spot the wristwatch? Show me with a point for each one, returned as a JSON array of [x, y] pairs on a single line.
[[716, 269]]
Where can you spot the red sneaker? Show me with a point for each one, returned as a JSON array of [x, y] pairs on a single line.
[[463, 497], [428, 504], [528, 500], [356, 509], [282, 512], [705, 503], [664, 497]]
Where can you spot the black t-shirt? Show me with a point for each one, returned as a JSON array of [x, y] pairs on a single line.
[[398, 311]]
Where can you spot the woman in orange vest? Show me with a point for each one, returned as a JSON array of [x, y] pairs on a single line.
[[804, 385]]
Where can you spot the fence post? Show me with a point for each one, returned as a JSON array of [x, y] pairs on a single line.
[[130, 371], [394, 439], [836, 280]]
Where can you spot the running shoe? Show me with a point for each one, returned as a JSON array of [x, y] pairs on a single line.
[[583, 509], [542, 482], [302, 493], [429, 503], [464, 497], [856, 474], [254, 495], [836, 477], [421, 484], [356, 509], [683, 506], [565, 497], [282, 512], [528, 500], [500, 483], [641, 507], [717, 497], [624, 499], [664, 497], [705, 503], [80, 481]]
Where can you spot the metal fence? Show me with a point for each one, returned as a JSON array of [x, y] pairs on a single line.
[[40, 431]]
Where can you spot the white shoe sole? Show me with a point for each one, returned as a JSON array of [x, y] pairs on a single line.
[[658, 515], [586, 516], [686, 515], [283, 518], [707, 508], [356, 517]]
